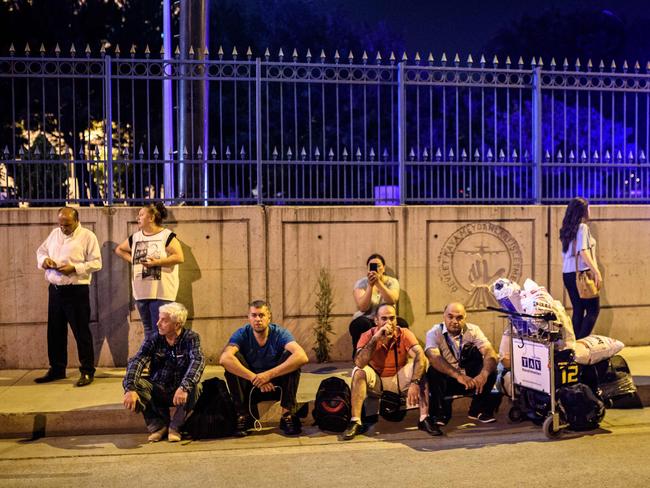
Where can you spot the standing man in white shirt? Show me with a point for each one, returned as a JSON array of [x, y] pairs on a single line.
[[69, 256]]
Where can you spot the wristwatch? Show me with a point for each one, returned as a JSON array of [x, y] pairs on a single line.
[[416, 381]]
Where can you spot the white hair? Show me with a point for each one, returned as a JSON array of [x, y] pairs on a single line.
[[176, 311]]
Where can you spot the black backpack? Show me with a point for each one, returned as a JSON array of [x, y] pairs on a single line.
[[332, 408], [214, 414], [583, 410]]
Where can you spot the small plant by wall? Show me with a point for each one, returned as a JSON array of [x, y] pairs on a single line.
[[323, 327]]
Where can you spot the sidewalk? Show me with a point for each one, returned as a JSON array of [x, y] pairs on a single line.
[[30, 410]]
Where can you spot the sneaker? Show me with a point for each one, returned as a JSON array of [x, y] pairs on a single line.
[[157, 435], [244, 423], [484, 418], [354, 428], [429, 426], [290, 425]]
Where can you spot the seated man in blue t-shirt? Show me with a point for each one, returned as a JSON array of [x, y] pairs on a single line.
[[267, 357]]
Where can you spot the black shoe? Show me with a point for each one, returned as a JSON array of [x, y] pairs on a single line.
[[429, 426], [49, 376], [290, 425], [484, 418], [85, 379], [354, 428], [244, 423]]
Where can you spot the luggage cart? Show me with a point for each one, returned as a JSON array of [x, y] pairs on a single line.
[[536, 366]]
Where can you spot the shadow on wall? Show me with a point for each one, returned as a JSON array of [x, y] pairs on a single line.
[[188, 273], [113, 325]]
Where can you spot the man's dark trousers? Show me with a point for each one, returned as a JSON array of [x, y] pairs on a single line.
[[240, 389], [69, 304], [441, 387]]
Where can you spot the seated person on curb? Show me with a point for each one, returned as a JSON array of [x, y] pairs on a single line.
[[263, 360], [176, 364], [371, 291], [462, 362], [375, 370]]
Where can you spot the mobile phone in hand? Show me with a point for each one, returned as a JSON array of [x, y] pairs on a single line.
[[373, 267]]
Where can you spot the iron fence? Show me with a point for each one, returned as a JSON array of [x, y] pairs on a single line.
[[91, 129]]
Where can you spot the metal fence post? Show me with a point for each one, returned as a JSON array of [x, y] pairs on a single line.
[[258, 126], [537, 134], [401, 132], [108, 101]]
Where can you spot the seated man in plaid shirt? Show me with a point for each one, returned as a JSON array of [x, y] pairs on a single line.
[[176, 364]]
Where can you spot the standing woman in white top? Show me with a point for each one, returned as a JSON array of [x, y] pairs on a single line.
[[154, 251], [575, 230]]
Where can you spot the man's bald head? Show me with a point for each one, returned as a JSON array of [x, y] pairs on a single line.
[[68, 219], [454, 317]]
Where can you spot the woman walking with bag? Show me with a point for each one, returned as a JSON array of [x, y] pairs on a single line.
[[580, 272], [155, 253]]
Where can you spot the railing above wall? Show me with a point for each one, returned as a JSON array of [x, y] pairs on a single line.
[[312, 129]]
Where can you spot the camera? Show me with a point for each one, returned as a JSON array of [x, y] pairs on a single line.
[[373, 267]]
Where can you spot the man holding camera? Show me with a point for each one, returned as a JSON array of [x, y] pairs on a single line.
[[382, 363], [463, 362]]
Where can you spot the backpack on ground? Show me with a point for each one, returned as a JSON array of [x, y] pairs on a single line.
[[583, 410], [214, 414], [332, 408]]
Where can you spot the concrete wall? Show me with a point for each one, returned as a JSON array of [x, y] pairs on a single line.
[[236, 254]]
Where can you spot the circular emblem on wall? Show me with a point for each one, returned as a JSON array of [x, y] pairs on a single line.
[[474, 256]]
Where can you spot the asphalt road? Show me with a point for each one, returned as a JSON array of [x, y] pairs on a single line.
[[616, 455]]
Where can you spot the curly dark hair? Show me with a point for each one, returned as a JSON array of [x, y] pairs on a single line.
[[576, 212], [158, 210]]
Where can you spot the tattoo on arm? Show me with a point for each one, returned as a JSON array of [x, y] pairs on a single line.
[[364, 354]]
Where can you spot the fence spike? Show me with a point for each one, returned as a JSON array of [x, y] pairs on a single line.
[[502, 155], [199, 152], [308, 56], [27, 50], [463, 155], [132, 51], [6, 152], [57, 49], [642, 156], [37, 152], [553, 63], [213, 153], [457, 59], [601, 65], [490, 154], [289, 153], [571, 156], [242, 153], [590, 65], [438, 154], [425, 154], [559, 156], [637, 66], [595, 157], [378, 58], [547, 155], [624, 65], [482, 61], [392, 57], [12, 50], [364, 57], [206, 52], [345, 152], [234, 53], [578, 65], [147, 51], [508, 61], [430, 59], [141, 152], [275, 153], [385, 154], [228, 153], [583, 156], [337, 56], [417, 57], [470, 60], [404, 57], [303, 153], [515, 154], [608, 156], [533, 63], [220, 51], [162, 51], [358, 153], [350, 56], [451, 153], [526, 156], [21, 152], [117, 50], [412, 154], [294, 54], [317, 153], [156, 153], [540, 62], [249, 52], [443, 59], [630, 156], [565, 64], [520, 62], [322, 55], [125, 152], [330, 154], [267, 54], [42, 49], [477, 155], [281, 54], [619, 156], [613, 65], [495, 61]]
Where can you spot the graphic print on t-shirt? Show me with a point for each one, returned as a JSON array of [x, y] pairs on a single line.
[[147, 250]]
